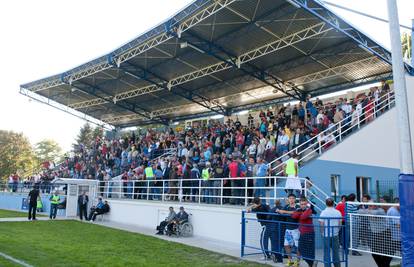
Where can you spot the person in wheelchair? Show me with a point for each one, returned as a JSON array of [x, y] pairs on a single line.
[[168, 221], [180, 218]]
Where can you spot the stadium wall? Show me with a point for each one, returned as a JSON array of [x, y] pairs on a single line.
[[211, 222], [15, 201]]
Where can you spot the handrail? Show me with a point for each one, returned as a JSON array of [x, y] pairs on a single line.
[[334, 128], [192, 188]]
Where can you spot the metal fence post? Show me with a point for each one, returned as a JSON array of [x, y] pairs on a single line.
[[245, 192], [120, 188], [340, 131], [243, 234], [163, 189], [221, 191], [199, 191], [180, 190], [148, 189]]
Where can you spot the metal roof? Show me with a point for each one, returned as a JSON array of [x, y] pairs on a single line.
[[219, 57]]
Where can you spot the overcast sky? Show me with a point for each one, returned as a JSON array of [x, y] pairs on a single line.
[[45, 37]]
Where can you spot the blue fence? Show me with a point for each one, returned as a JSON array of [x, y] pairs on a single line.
[[274, 236]]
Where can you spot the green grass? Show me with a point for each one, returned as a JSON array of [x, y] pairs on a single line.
[[6, 263], [72, 243], [14, 214]]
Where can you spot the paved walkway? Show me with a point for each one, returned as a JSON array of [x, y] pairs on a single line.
[[218, 246], [228, 248]]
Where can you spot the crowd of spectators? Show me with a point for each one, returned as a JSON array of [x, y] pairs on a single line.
[[226, 149]]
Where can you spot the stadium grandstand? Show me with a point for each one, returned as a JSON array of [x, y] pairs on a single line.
[[240, 105]]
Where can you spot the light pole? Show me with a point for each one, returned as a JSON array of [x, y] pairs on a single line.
[[406, 178]]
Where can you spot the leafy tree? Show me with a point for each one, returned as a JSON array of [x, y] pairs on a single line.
[[48, 150], [97, 132], [84, 137], [406, 45], [16, 154]]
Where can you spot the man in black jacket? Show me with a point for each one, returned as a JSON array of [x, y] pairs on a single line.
[[268, 228], [83, 205], [32, 198]]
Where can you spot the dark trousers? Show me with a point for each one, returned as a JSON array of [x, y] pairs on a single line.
[[53, 211], [271, 231], [83, 211], [94, 212], [32, 210], [161, 227]]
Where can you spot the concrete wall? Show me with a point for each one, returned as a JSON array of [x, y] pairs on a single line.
[[214, 222], [13, 201]]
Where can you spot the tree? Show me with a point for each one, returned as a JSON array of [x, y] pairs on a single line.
[[406, 45], [84, 137], [16, 154], [48, 150], [97, 132]]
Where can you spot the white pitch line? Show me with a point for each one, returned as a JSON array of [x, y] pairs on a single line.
[[10, 258]]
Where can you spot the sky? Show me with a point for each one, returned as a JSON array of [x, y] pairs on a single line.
[[45, 37]]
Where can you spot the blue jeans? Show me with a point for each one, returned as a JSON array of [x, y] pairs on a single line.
[[53, 211], [207, 192], [331, 251]]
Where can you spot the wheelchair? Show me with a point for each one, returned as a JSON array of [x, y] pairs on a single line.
[[184, 229]]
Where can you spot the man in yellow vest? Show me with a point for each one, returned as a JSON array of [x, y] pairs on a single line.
[[291, 171], [54, 202], [206, 174], [149, 176]]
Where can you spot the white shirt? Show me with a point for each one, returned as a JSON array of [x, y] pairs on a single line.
[[284, 140], [319, 118], [331, 225]]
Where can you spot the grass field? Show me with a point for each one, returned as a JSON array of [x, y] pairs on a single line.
[[72, 243], [14, 214], [6, 263]]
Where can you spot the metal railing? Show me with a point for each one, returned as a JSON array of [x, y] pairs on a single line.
[[220, 191], [272, 236], [316, 145], [374, 230]]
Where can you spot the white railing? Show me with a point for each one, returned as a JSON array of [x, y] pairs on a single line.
[[334, 134], [220, 191]]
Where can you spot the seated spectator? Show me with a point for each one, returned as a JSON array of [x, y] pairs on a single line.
[[168, 220], [180, 218], [100, 208]]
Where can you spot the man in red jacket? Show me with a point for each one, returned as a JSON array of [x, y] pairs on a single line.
[[306, 247]]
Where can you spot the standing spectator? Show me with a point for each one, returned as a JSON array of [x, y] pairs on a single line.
[[83, 205], [262, 210], [235, 173], [54, 202], [341, 208], [306, 247], [378, 232], [260, 183], [206, 174], [330, 228], [394, 226], [291, 171], [34, 194], [291, 236]]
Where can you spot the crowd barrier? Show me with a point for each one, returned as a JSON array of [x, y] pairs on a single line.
[[273, 237]]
